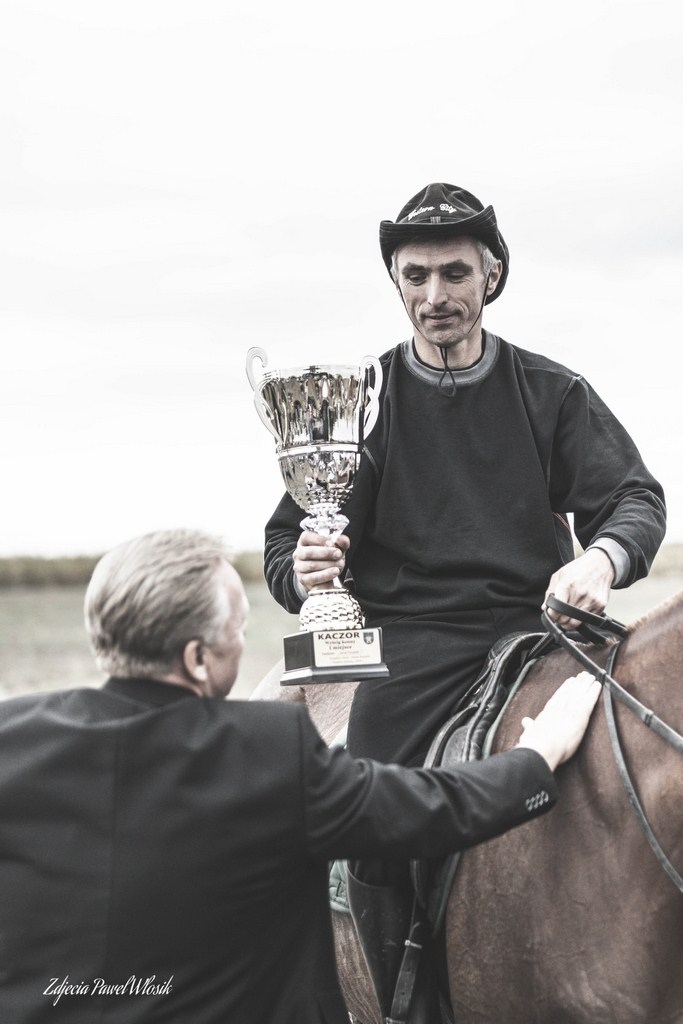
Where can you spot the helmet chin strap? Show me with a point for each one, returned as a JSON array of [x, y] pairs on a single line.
[[443, 385], [449, 388]]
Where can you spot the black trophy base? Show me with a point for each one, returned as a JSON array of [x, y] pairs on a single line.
[[333, 656]]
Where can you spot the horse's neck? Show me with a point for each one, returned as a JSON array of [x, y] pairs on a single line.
[[654, 650]]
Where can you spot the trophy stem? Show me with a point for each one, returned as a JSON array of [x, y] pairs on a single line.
[[329, 605], [321, 588], [327, 520]]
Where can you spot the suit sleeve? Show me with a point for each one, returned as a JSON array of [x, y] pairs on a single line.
[[360, 808]]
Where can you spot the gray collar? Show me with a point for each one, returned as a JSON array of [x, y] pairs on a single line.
[[471, 375]]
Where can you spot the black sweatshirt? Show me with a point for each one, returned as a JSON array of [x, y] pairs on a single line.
[[464, 487]]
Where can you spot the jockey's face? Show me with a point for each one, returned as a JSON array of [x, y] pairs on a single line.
[[443, 286]]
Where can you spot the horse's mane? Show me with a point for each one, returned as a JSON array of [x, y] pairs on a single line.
[[669, 604]]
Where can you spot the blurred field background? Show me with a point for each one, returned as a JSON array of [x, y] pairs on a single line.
[[43, 643], [42, 637]]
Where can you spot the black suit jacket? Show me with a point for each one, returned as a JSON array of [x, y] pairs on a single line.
[[166, 856]]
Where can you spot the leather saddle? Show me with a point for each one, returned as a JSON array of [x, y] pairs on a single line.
[[468, 736]]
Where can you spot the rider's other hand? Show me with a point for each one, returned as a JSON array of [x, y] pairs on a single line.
[[584, 583], [317, 561], [559, 728]]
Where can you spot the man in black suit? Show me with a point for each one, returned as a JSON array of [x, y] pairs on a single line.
[[164, 852]]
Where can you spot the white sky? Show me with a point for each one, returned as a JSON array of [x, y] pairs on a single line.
[[179, 182]]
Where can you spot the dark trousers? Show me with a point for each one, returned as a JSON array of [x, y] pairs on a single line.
[[432, 665]]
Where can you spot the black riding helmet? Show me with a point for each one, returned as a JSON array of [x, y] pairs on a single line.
[[442, 211]]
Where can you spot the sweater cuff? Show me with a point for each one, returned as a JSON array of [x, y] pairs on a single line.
[[617, 555], [299, 588]]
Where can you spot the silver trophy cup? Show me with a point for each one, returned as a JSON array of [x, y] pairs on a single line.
[[319, 417]]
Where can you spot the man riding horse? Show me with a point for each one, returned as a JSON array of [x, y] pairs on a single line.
[[459, 515]]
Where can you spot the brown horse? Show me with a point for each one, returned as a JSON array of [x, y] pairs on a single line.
[[569, 919]]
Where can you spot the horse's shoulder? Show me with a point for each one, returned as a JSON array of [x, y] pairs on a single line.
[[329, 705]]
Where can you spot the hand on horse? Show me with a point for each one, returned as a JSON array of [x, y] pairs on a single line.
[[585, 583], [316, 560], [558, 729]]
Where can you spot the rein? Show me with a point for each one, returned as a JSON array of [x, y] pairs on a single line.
[[590, 629]]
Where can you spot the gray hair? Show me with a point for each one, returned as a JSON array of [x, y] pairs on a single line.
[[151, 595], [488, 260]]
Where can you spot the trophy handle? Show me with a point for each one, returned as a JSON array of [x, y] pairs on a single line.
[[261, 408], [252, 355], [372, 407]]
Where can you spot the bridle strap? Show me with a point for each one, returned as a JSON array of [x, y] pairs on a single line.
[[645, 714], [590, 621], [611, 688], [664, 861]]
